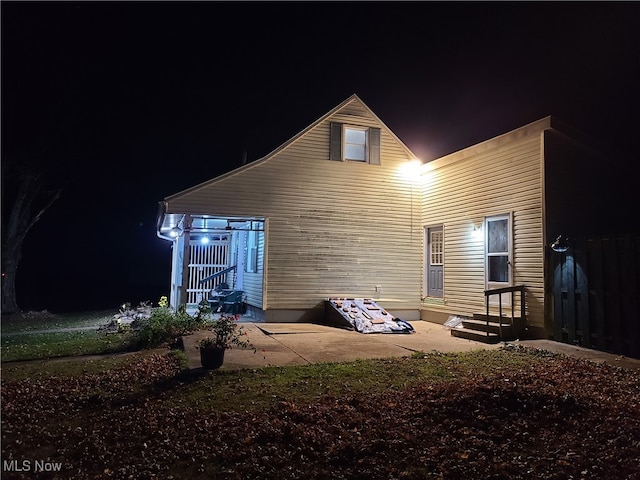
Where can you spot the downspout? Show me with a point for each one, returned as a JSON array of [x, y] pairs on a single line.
[[162, 210]]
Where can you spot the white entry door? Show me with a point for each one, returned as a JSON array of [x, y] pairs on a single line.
[[498, 256]]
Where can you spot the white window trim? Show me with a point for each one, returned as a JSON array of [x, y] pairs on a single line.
[[346, 127], [251, 252], [506, 298]]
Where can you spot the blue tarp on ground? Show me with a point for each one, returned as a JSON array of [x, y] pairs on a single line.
[[364, 315]]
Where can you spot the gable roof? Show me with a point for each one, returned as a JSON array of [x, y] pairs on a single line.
[[531, 129], [353, 99]]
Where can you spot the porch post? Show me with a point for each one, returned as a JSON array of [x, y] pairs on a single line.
[[239, 244], [186, 259], [176, 272]]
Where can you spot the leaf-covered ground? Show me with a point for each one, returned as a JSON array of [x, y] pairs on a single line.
[[557, 418]]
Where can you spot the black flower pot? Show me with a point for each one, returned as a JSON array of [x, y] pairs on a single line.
[[211, 358]]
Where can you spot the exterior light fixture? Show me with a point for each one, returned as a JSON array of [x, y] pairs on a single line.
[[477, 232], [411, 170], [204, 240], [560, 244]]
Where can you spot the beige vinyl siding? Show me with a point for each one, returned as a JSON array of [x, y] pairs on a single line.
[[472, 186], [335, 228], [252, 281]]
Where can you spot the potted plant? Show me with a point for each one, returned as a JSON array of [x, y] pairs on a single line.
[[227, 333]]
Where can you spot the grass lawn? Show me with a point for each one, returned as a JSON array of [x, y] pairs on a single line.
[[511, 413], [40, 335], [501, 414], [36, 321], [62, 344]]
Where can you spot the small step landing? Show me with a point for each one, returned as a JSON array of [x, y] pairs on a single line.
[[479, 330]]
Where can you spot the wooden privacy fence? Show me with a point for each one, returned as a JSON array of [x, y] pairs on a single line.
[[596, 299]]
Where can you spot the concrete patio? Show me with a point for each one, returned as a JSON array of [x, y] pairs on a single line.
[[280, 344]]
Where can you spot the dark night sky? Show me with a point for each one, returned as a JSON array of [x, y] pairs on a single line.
[[138, 101]]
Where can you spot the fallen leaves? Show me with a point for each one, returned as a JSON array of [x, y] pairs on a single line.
[[559, 418]]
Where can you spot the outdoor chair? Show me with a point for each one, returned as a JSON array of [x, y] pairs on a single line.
[[233, 302], [216, 296]]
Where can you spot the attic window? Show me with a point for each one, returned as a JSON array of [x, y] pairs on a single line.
[[355, 143]]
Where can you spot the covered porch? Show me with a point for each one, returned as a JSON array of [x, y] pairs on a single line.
[[214, 256]]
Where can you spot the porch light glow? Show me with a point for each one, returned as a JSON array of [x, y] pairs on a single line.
[[204, 240]]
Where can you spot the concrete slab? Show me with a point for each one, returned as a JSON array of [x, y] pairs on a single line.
[[280, 344], [269, 351], [298, 344], [581, 352], [285, 328]]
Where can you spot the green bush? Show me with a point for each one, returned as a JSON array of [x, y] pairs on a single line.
[[165, 325]]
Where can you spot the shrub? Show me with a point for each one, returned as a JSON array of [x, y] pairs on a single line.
[[166, 326], [227, 333]]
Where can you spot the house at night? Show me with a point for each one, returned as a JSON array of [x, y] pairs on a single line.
[[345, 210]]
